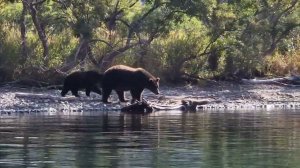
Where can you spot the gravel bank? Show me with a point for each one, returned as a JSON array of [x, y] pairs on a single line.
[[229, 96]]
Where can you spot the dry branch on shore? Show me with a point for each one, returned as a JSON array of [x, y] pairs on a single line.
[[293, 81]]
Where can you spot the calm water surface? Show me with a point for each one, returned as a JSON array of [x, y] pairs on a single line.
[[162, 139]]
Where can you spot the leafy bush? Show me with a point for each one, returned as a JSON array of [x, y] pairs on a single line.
[[9, 52], [229, 40]]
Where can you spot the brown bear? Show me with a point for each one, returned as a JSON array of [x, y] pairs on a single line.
[[123, 78], [88, 80]]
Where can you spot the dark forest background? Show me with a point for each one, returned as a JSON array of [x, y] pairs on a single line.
[[179, 41]]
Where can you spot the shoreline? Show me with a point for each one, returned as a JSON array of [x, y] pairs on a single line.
[[224, 96]]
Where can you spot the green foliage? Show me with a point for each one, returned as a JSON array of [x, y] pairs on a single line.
[[286, 59], [9, 53], [9, 49], [170, 38], [10, 12], [84, 16], [61, 46], [178, 52]]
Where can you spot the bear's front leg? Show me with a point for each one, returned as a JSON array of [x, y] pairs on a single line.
[[64, 92], [87, 92], [136, 95]]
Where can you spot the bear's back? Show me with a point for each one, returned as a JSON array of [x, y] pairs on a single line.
[[126, 72], [124, 76], [82, 79], [93, 76], [121, 68]]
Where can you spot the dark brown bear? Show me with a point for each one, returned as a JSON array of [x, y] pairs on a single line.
[[123, 78], [88, 80]]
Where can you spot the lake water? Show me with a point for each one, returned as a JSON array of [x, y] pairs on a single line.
[[210, 139]]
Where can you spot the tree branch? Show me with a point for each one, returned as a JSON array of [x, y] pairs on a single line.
[[100, 40], [38, 2]]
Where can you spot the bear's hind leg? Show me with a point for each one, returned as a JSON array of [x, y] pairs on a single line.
[[121, 96], [105, 95], [75, 92]]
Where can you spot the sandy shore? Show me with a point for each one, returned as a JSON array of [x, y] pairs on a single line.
[[221, 95]]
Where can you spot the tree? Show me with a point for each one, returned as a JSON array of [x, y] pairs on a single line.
[[140, 30], [83, 17], [260, 31], [24, 45], [128, 24], [229, 38], [246, 31], [40, 26]]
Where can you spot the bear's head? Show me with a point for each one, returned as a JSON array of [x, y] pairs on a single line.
[[153, 85]]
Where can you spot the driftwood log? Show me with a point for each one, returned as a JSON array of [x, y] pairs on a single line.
[[145, 107], [187, 105], [137, 107], [293, 81]]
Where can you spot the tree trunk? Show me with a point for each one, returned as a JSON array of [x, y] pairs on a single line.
[[24, 48], [82, 53], [83, 50], [107, 60], [40, 29]]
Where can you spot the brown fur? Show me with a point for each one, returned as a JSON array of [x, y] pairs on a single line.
[[123, 78]]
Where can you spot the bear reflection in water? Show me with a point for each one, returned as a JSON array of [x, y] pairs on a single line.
[[123, 78]]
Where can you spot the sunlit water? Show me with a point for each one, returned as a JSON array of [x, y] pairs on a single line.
[[162, 139]]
